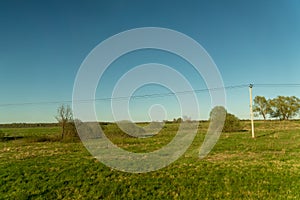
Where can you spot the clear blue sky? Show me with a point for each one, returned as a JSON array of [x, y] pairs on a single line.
[[43, 43]]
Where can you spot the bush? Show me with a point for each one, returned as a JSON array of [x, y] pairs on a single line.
[[231, 123], [71, 132], [89, 130], [154, 127], [130, 128]]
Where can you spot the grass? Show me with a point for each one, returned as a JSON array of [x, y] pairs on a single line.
[[239, 167]]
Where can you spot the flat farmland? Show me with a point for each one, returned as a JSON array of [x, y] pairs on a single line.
[[35, 164]]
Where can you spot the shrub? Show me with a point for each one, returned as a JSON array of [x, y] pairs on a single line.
[[130, 128], [71, 132], [154, 127], [231, 123], [89, 130]]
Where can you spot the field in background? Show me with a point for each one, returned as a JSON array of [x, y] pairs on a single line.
[[35, 164]]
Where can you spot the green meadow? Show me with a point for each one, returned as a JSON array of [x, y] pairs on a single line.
[[35, 164]]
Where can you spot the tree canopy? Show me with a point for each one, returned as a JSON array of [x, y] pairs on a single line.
[[261, 106], [64, 116], [282, 107]]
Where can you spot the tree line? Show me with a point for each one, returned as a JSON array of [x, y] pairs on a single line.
[[281, 107]]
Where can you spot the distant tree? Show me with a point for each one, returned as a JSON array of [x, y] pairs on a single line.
[[261, 106], [179, 120], [284, 107], [64, 118], [231, 123]]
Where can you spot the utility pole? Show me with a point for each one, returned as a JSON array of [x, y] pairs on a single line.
[[251, 110]]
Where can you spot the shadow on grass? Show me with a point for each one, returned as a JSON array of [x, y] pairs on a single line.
[[45, 138], [266, 134], [9, 138]]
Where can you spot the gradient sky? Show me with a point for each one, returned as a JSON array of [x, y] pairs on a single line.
[[43, 43]]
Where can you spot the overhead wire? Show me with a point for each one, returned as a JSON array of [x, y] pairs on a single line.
[[277, 85], [154, 95]]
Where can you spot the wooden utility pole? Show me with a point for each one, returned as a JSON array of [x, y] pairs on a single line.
[[251, 110]]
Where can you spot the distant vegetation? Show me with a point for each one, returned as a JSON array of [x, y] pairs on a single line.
[[281, 107], [65, 119]]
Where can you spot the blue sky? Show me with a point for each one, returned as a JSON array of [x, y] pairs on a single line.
[[43, 43]]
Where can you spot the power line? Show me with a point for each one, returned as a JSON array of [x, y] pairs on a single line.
[[155, 95], [35, 103], [277, 85]]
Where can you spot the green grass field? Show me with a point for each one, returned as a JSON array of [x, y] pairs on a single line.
[[37, 166]]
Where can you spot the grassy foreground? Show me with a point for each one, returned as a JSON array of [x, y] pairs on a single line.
[[267, 167]]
